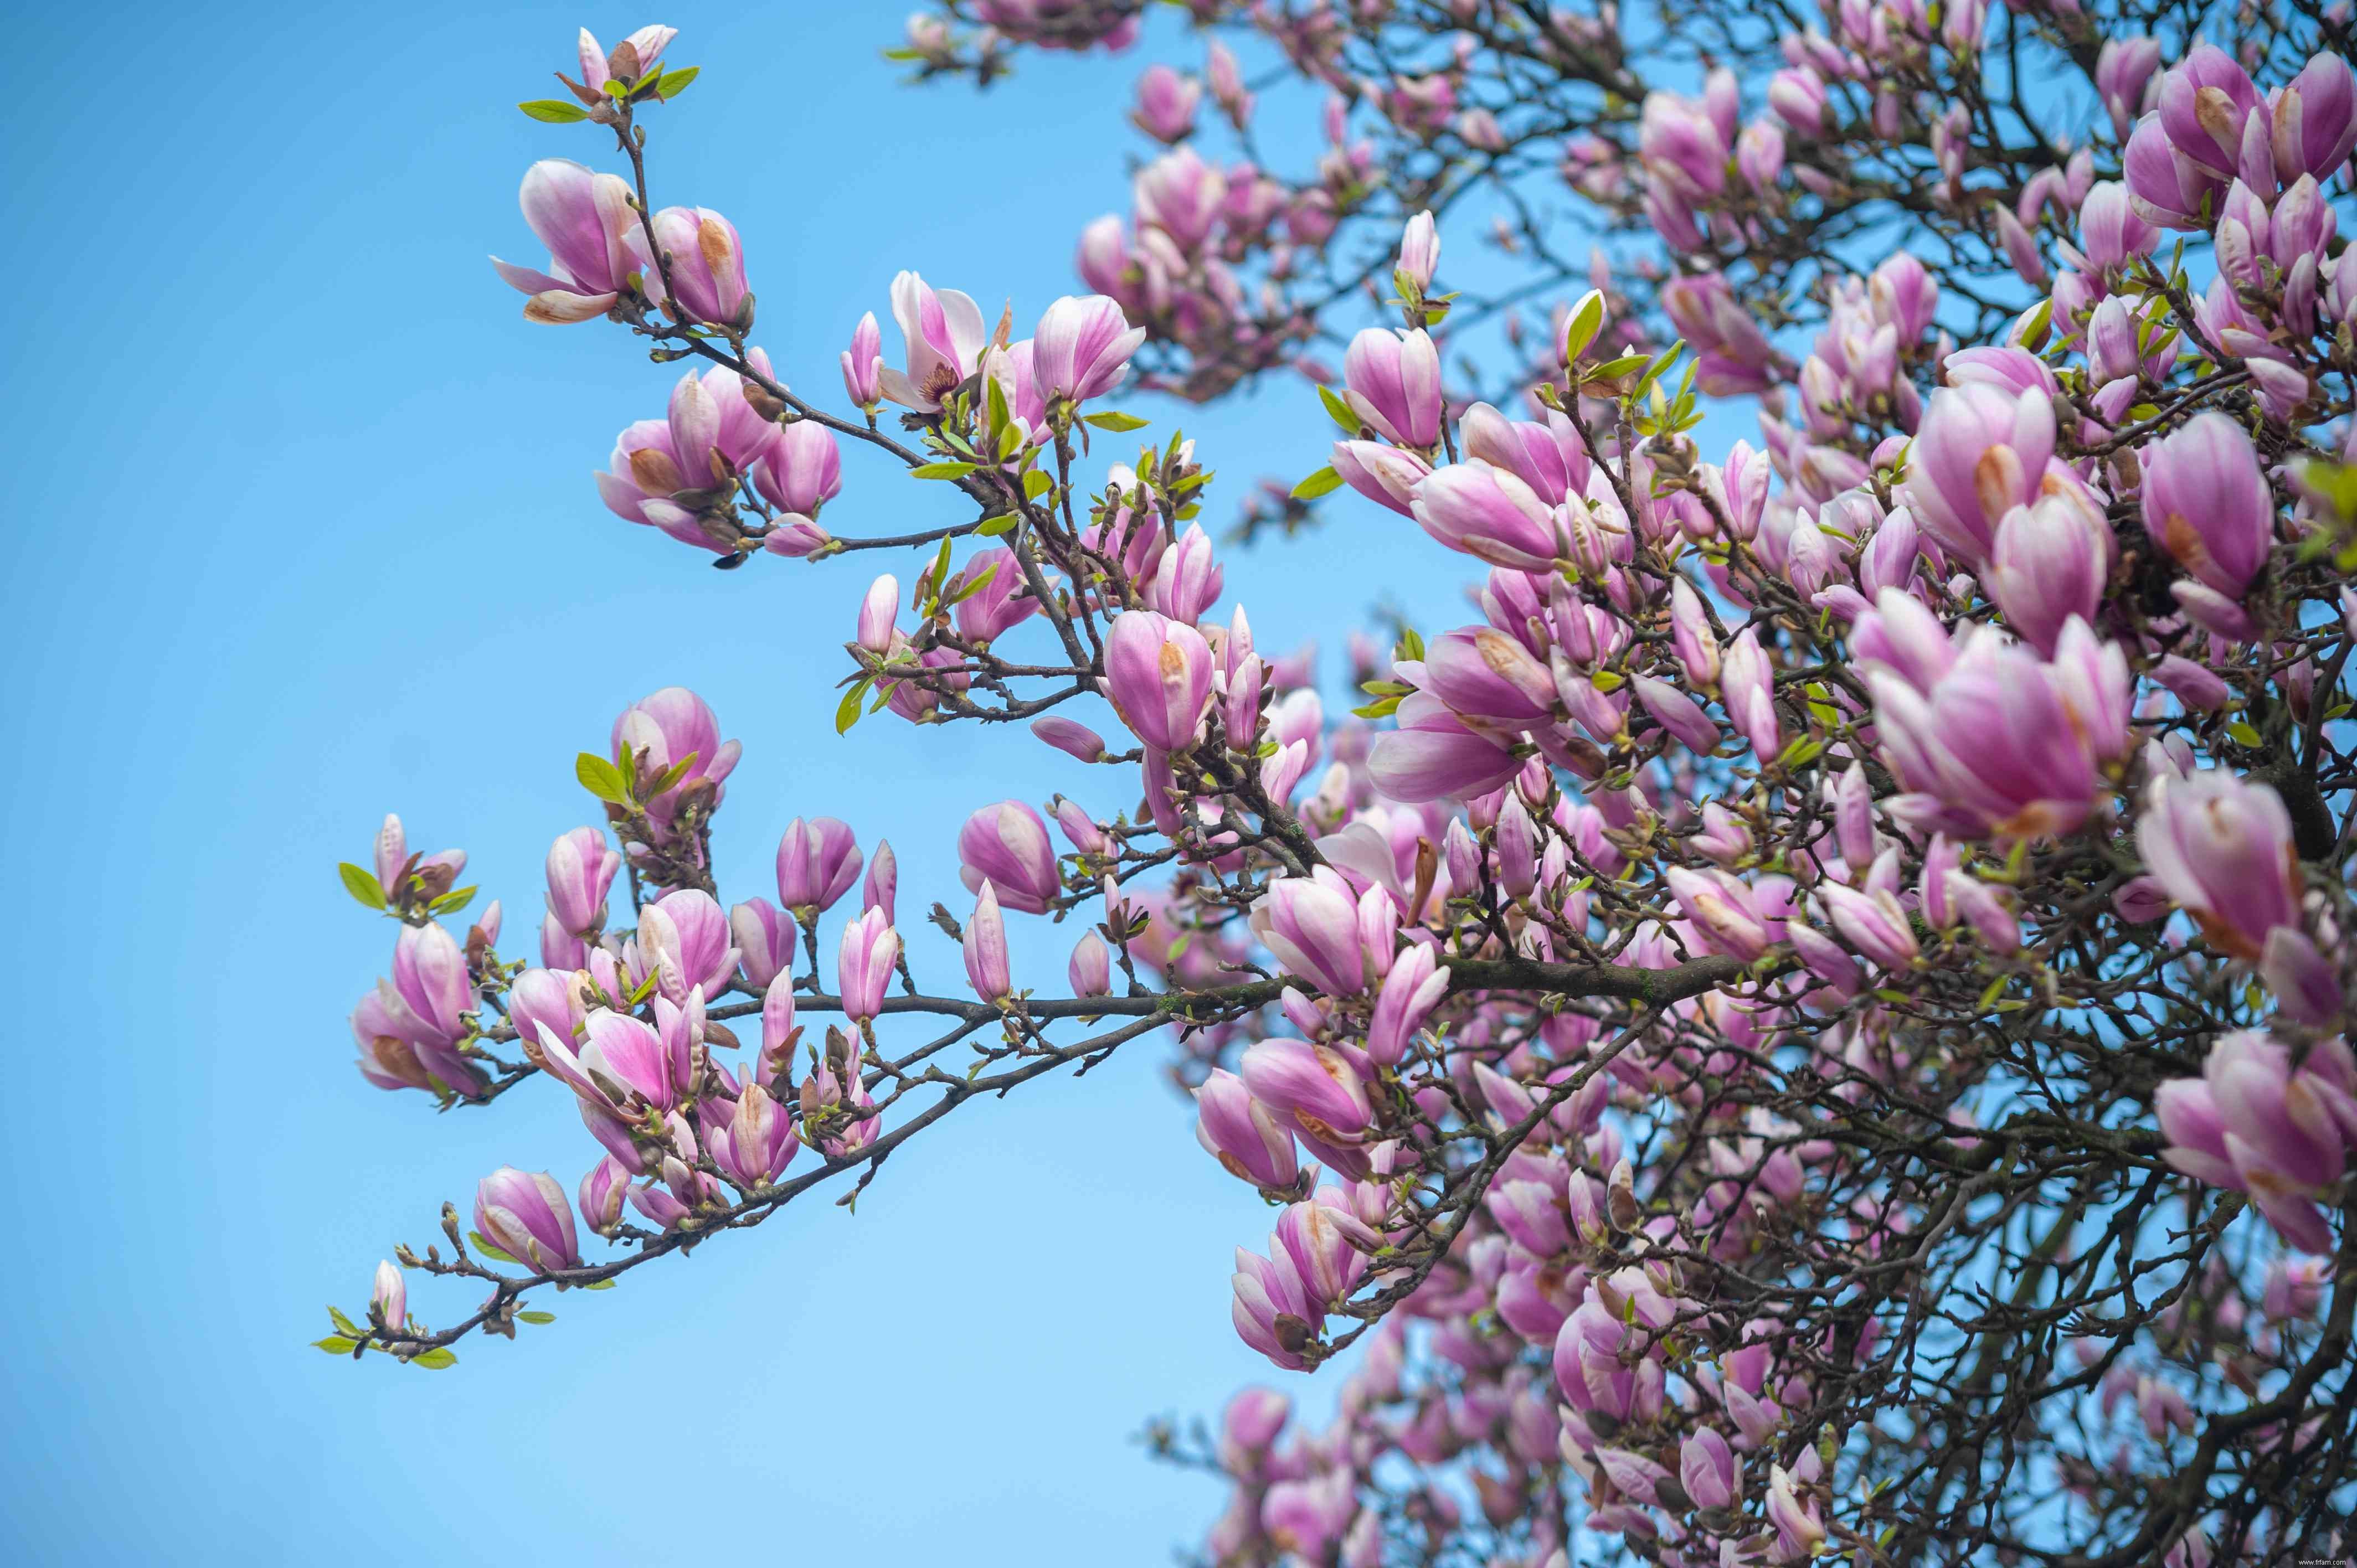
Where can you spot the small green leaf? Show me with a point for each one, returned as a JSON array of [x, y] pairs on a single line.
[[942, 470], [669, 777], [361, 884], [601, 778], [2245, 735], [846, 712], [997, 525], [1324, 481], [336, 1345], [672, 83], [994, 410], [1587, 320], [1037, 483], [601, 1284], [487, 1249], [536, 1317], [433, 1360], [343, 1324], [451, 903], [1112, 419], [1669, 357], [1341, 413], [982, 580], [555, 111]]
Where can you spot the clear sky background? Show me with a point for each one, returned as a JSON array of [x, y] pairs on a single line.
[[302, 531]]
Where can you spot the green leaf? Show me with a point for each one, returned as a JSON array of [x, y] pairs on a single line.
[[361, 884], [336, 1345], [846, 712], [1587, 320], [936, 579], [601, 1284], [601, 778], [2245, 735], [1037, 483], [487, 1249], [1341, 412], [433, 1360], [1669, 357], [672, 83], [453, 901], [555, 111], [343, 1324], [995, 409], [997, 523], [1324, 481], [669, 777], [942, 470], [1112, 419], [968, 590], [536, 1317]]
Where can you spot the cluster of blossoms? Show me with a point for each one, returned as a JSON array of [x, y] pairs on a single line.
[[1812, 1023]]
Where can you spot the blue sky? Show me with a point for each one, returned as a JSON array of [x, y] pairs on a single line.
[[305, 532]]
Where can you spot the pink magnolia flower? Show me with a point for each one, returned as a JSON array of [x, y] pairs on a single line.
[[1419, 252], [1981, 451], [1310, 923], [1384, 475], [801, 469], [870, 949], [1081, 346], [2221, 846], [437, 871], [1090, 969], [1992, 740], [2050, 564], [1489, 513], [863, 363], [705, 264], [594, 241], [945, 338], [1007, 846], [2206, 503], [528, 1217], [755, 1141], [1238, 1130], [581, 869], [1165, 103], [1158, 677], [631, 59], [2256, 1124], [683, 941], [1393, 384], [1434, 755], [672, 728], [986, 949], [818, 860]]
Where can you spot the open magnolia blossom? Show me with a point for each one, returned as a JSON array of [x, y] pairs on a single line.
[[1812, 1025]]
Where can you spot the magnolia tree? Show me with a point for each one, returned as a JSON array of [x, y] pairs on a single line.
[[1810, 1026]]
